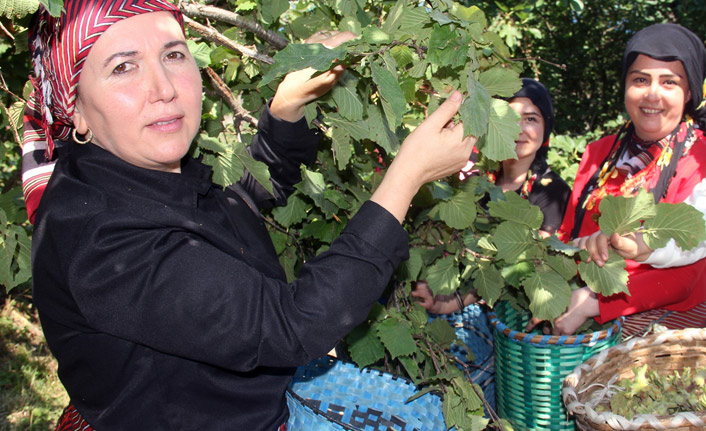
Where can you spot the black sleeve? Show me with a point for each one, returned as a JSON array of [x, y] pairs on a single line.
[[192, 300], [284, 147], [551, 194]]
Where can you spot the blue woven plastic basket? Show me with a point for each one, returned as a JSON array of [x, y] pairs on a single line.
[[473, 328], [328, 394]]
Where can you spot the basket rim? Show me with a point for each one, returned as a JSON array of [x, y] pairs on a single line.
[[576, 407], [559, 340]]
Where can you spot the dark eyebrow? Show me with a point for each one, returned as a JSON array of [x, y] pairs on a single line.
[[664, 75], [167, 45], [118, 54]]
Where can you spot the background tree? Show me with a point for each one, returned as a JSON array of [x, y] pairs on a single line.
[[575, 48]]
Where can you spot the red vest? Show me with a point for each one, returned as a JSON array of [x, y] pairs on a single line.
[[679, 288]]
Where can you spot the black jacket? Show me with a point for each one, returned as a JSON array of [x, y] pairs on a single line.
[[162, 297]]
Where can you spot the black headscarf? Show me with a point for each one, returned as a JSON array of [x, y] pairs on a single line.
[[671, 42], [539, 95]]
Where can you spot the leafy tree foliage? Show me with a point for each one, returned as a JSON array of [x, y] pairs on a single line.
[[408, 58], [575, 47]]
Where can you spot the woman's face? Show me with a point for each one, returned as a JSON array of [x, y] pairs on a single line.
[[655, 94], [140, 92], [531, 127]]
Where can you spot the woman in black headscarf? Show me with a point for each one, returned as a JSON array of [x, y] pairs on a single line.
[[528, 175], [661, 149]]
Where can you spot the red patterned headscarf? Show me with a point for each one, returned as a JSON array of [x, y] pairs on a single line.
[[59, 47]]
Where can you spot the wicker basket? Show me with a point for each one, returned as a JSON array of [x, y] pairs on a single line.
[[473, 329], [329, 394], [530, 369], [589, 384]]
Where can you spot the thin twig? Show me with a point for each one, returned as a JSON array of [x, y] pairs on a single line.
[[227, 95], [297, 244], [433, 361], [203, 11], [2, 27], [13, 126], [493, 415], [560, 66], [213, 35]]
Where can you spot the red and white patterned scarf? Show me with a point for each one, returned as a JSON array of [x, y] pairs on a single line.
[[59, 47]]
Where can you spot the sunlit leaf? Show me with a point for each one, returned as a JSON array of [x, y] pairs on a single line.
[[201, 53], [515, 208], [503, 130], [549, 294], [345, 95], [609, 280], [681, 221], [256, 168], [489, 283], [376, 36], [393, 99], [475, 110], [500, 81], [555, 243], [459, 212], [623, 214], [380, 131], [443, 276], [413, 18], [409, 269], [355, 129], [565, 266], [297, 56], [512, 240], [342, 150]]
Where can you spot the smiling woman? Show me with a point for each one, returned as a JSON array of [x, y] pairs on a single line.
[[663, 150], [159, 292]]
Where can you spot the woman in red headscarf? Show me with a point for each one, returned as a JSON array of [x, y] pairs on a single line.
[[159, 292], [663, 150]]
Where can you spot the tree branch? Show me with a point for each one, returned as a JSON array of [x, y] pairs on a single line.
[[560, 66], [203, 11], [223, 90], [3, 86], [213, 35]]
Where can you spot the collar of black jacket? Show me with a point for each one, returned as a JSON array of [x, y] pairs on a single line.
[[108, 171]]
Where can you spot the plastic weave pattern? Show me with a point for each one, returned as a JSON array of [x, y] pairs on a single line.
[[328, 394], [530, 369]]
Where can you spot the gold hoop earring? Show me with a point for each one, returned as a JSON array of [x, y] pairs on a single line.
[[86, 140]]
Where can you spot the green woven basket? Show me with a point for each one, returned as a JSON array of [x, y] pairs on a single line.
[[530, 369]]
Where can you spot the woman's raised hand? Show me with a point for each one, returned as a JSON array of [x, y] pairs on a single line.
[[299, 88], [434, 150]]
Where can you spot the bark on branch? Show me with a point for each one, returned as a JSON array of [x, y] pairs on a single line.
[[203, 11], [213, 35], [223, 90]]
